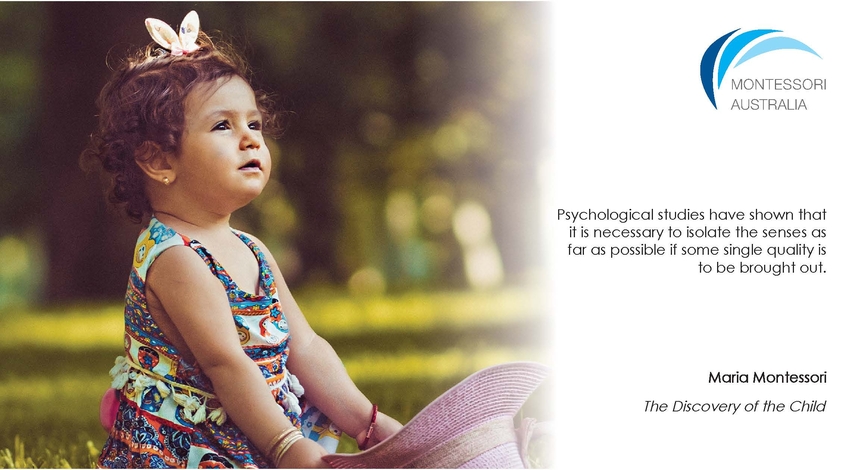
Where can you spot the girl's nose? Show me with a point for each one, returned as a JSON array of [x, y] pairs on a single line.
[[251, 139]]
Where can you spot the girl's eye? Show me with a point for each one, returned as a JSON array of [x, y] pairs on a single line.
[[221, 126], [256, 125]]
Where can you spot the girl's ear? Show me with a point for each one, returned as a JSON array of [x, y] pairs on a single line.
[[155, 163]]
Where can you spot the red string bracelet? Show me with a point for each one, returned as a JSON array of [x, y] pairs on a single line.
[[371, 428]]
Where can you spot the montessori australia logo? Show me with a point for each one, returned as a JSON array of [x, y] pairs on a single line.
[[773, 92]]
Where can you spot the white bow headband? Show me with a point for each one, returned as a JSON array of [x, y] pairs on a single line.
[[167, 38]]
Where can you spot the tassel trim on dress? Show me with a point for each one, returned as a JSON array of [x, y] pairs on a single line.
[[193, 400]]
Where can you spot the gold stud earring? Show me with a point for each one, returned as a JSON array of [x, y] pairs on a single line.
[[166, 180]]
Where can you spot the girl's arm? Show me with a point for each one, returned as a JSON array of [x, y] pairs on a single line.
[[196, 303], [321, 372]]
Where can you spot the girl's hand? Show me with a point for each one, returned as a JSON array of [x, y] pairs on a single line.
[[304, 453], [384, 428]]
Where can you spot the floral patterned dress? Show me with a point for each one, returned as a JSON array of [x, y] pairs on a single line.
[[168, 415]]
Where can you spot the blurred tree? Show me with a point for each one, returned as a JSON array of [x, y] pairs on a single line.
[[19, 82], [87, 245]]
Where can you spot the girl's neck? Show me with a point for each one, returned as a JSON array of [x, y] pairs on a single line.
[[195, 224]]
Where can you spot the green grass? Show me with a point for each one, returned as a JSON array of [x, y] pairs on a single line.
[[402, 351]]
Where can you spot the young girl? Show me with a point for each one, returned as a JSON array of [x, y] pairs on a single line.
[[219, 359]]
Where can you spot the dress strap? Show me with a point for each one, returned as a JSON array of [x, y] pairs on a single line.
[[267, 283], [152, 241]]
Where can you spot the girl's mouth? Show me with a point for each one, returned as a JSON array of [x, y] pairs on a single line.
[[253, 165]]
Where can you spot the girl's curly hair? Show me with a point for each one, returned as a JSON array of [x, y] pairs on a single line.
[[142, 104]]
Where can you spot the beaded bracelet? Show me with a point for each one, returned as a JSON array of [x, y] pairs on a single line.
[[371, 428]]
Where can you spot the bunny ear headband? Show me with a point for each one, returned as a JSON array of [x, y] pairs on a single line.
[[181, 44]]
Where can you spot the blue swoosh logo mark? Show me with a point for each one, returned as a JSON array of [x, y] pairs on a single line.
[[734, 47]]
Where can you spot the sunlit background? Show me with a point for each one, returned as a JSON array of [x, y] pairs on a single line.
[[403, 209]]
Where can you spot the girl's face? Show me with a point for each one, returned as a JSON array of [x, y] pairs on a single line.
[[223, 160]]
